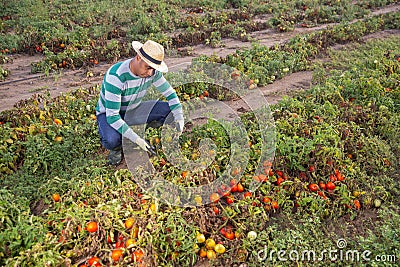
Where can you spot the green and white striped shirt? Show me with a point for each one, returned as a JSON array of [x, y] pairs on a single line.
[[121, 90]]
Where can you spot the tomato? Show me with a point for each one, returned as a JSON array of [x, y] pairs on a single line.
[[219, 248], [240, 188], [230, 235], [313, 187], [234, 188], [275, 204], [214, 197], [92, 227], [137, 255], [279, 173], [330, 186], [256, 178], [216, 210], [321, 194], [223, 231], [200, 238], [266, 200], [130, 242], [184, 174], [94, 261], [357, 204], [332, 178], [203, 252], [210, 243], [247, 195], [211, 255], [322, 185], [279, 181], [230, 199], [311, 168], [56, 197], [117, 254], [58, 121], [129, 223], [262, 178], [205, 93]]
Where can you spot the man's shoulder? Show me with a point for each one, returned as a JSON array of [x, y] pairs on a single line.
[[120, 69]]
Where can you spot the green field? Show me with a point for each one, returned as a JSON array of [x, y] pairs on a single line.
[[333, 183]]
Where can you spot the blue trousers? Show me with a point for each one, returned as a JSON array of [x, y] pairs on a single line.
[[146, 112]]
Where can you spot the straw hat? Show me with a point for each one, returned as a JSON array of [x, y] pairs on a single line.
[[152, 53]]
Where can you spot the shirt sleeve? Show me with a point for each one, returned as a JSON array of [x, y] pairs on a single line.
[[112, 103], [163, 86]]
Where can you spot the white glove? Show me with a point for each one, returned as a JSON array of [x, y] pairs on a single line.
[[179, 125], [142, 144]]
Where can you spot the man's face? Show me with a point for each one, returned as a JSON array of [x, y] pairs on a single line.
[[143, 70]]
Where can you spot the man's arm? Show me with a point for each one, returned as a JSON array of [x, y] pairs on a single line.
[[169, 93]]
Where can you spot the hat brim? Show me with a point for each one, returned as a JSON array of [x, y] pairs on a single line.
[[161, 67]]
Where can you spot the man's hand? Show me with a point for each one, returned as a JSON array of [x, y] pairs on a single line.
[[179, 125], [143, 144]]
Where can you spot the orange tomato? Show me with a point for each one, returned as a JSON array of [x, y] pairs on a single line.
[[357, 204], [129, 223], [240, 187], [58, 121], [137, 255], [130, 242], [94, 261], [92, 227], [275, 204], [117, 254], [56, 197], [214, 197], [203, 252], [230, 235]]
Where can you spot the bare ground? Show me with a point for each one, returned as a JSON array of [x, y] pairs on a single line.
[[22, 84]]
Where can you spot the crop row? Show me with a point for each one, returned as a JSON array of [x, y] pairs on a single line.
[[70, 35]]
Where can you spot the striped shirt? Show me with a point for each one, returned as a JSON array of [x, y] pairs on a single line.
[[121, 90]]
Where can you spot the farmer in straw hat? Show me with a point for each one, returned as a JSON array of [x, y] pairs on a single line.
[[123, 88]]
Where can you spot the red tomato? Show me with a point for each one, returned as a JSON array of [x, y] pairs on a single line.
[[330, 186], [279, 181], [357, 204], [94, 261], [247, 195], [230, 199], [313, 187]]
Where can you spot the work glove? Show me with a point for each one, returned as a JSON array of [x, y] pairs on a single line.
[[179, 125], [143, 144]]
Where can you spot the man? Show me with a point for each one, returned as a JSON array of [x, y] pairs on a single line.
[[120, 104]]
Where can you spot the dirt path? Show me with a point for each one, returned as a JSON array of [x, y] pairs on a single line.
[[21, 84]]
